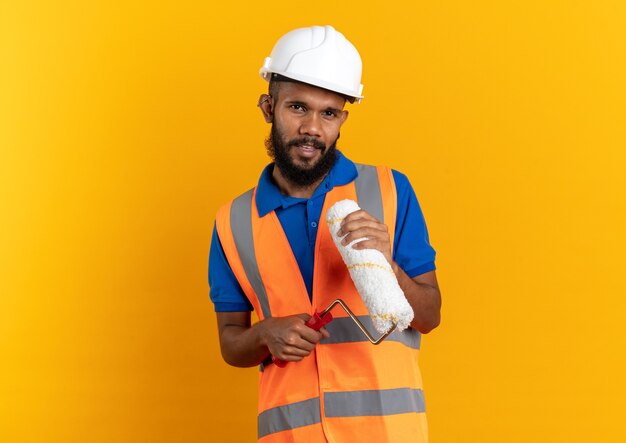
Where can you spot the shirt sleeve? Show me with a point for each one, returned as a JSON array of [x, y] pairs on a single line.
[[411, 250], [226, 293]]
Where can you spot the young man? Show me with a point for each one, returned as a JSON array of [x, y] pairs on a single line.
[[272, 252]]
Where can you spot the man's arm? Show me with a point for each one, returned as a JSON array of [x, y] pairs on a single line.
[[422, 292], [286, 338]]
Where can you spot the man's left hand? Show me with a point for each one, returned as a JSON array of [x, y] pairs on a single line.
[[361, 224]]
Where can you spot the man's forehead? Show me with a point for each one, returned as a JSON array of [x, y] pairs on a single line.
[[296, 91]]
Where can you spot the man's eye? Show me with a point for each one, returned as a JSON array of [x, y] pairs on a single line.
[[297, 107], [329, 114]]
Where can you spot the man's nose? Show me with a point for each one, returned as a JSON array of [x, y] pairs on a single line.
[[311, 125]]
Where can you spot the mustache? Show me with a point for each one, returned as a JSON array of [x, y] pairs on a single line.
[[307, 140]]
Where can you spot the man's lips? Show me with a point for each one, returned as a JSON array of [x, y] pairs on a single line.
[[307, 146], [307, 149]]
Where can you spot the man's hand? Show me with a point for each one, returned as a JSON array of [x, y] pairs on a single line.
[[288, 338], [361, 224]]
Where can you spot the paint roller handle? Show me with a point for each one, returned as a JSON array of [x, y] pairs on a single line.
[[319, 320], [316, 322]]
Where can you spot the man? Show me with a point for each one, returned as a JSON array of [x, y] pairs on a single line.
[[272, 252]]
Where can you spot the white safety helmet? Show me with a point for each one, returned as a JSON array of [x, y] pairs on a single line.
[[319, 56]]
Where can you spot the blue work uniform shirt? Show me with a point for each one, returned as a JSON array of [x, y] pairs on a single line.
[[299, 218]]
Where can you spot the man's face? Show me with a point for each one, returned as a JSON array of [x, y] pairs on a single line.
[[305, 127]]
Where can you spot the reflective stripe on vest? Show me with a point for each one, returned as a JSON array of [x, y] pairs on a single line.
[[369, 199], [294, 415], [368, 191], [241, 225], [342, 330], [341, 404]]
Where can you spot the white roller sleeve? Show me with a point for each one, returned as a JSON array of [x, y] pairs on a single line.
[[372, 275]]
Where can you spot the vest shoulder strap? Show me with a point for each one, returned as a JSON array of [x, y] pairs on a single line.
[[376, 194], [234, 228]]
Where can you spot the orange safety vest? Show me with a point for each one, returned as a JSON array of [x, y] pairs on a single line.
[[347, 390]]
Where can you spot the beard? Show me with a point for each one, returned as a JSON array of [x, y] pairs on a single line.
[[300, 175]]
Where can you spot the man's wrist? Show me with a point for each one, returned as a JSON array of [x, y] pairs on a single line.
[[397, 270]]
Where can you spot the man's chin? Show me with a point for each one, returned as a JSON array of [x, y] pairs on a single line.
[[303, 167]]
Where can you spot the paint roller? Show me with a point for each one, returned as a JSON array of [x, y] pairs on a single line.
[[374, 280]]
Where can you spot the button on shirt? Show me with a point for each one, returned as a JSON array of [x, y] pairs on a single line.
[[299, 218]]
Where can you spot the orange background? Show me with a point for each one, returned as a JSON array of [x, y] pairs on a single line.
[[124, 127]]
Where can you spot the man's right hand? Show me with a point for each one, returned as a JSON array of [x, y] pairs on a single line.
[[288, 338]]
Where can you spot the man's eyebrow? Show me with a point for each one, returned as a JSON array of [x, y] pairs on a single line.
[[305, 105], [296, 102]]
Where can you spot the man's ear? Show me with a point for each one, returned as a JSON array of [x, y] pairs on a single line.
[[267, 107], [344, 116]]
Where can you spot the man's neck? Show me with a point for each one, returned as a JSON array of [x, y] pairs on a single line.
[[292, 190]]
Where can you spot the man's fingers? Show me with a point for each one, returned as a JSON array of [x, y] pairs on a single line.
[[355, 217], [285, 356], [360, 214], [324, 332], [295, 351], [302, 346], [354, 225], [370, 234], [369, 228], [311, 336]]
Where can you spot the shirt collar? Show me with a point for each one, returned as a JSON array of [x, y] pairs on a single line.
[[269, 197]]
